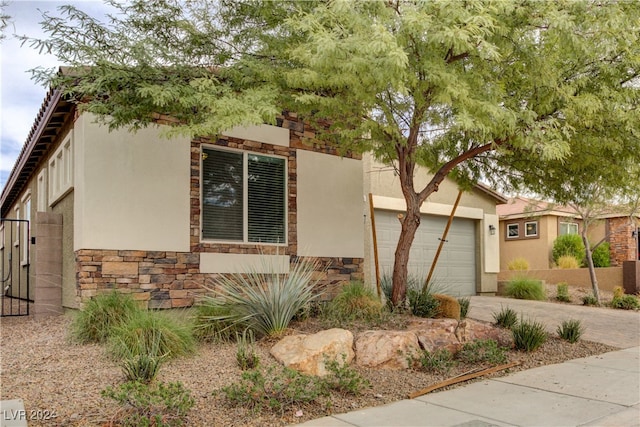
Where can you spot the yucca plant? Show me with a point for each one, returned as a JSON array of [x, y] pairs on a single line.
[[143, 364], [264, 300], [465, 303]]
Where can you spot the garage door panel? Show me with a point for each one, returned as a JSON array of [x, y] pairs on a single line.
[[455, 271]]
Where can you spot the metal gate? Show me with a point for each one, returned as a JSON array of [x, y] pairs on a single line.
[[14, 267]]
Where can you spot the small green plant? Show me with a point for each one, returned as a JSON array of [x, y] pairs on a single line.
[[568, 244], [440, 361], [562, 292], [567, 262], [590, 299], [601, 256], [506, 318], [151, 333], [265, 302], [246, 355], [274, 390], [151, 404], [343, 378], [95, 322], [570, 330], [464, 302], [143, 364], [626, 302], [525, 288], [482, 351], [422, 304], [355, 302], [518, 264], [211, 324], [528, 335]]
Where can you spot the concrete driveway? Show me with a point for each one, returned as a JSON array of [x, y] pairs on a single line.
[[618, 328]]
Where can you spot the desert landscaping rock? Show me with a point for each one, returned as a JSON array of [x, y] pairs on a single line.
[[386, 349], [309, 353]]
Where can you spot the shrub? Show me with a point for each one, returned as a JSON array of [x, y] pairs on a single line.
[[482, 351], [528, 335], [143, 364], [265, 302], [343, 378], [422, 304], [570, 330], [355, 302], [464, 307], [568, 244], [626, 302], [601, 256], [448, 307], [95, 322], [506, 318], [562, 293], [151, 405], [567, 262], [212, 324], [618, 292], [151, 333], [440, 361], [414, 284], [590, 299], [276, 391], [246, 355], [518, 264], [525, 288]]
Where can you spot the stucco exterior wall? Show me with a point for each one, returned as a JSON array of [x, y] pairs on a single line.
[[381, 181], [330, 206], [131, 189]]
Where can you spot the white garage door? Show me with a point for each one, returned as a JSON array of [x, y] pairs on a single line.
[[456, 268]]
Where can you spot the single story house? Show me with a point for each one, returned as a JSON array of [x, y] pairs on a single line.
[[159, 218], [528, 229]]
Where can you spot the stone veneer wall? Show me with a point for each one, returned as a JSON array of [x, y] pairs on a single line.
[[173, 279], [622, 244]]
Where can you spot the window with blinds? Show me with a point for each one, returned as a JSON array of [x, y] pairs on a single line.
[[243, 197]]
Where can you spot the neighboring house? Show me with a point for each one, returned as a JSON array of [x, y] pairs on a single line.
[[528, 229], [160, 218]]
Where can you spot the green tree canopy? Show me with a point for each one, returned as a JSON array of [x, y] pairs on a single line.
[[504, 91]]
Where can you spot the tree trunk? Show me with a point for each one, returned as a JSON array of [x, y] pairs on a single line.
[[592, 269], [410, 223]]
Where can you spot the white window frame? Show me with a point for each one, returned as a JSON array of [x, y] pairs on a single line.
[[517, 227], [245, 198], [526, 234], [42, 191], [569, 225], [26, 231], [61, 170]]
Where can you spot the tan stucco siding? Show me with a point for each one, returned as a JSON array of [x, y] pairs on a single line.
[[243, 263], [131, 189], [330, 206]]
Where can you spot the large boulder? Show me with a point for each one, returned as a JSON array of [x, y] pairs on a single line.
[[309, 353], [386, 349], [434, 334]]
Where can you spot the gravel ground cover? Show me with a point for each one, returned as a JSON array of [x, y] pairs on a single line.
[[54, 376]]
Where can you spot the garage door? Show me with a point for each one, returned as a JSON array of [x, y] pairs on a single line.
[[455, 272]]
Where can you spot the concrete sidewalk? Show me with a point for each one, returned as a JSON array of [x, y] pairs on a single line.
[[599, 390]]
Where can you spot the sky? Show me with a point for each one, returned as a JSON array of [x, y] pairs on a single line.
[[20, 96]]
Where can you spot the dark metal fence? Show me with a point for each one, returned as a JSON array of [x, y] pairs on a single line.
[[14, 267]]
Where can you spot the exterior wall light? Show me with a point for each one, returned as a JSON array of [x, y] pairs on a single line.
[[492, 229]]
